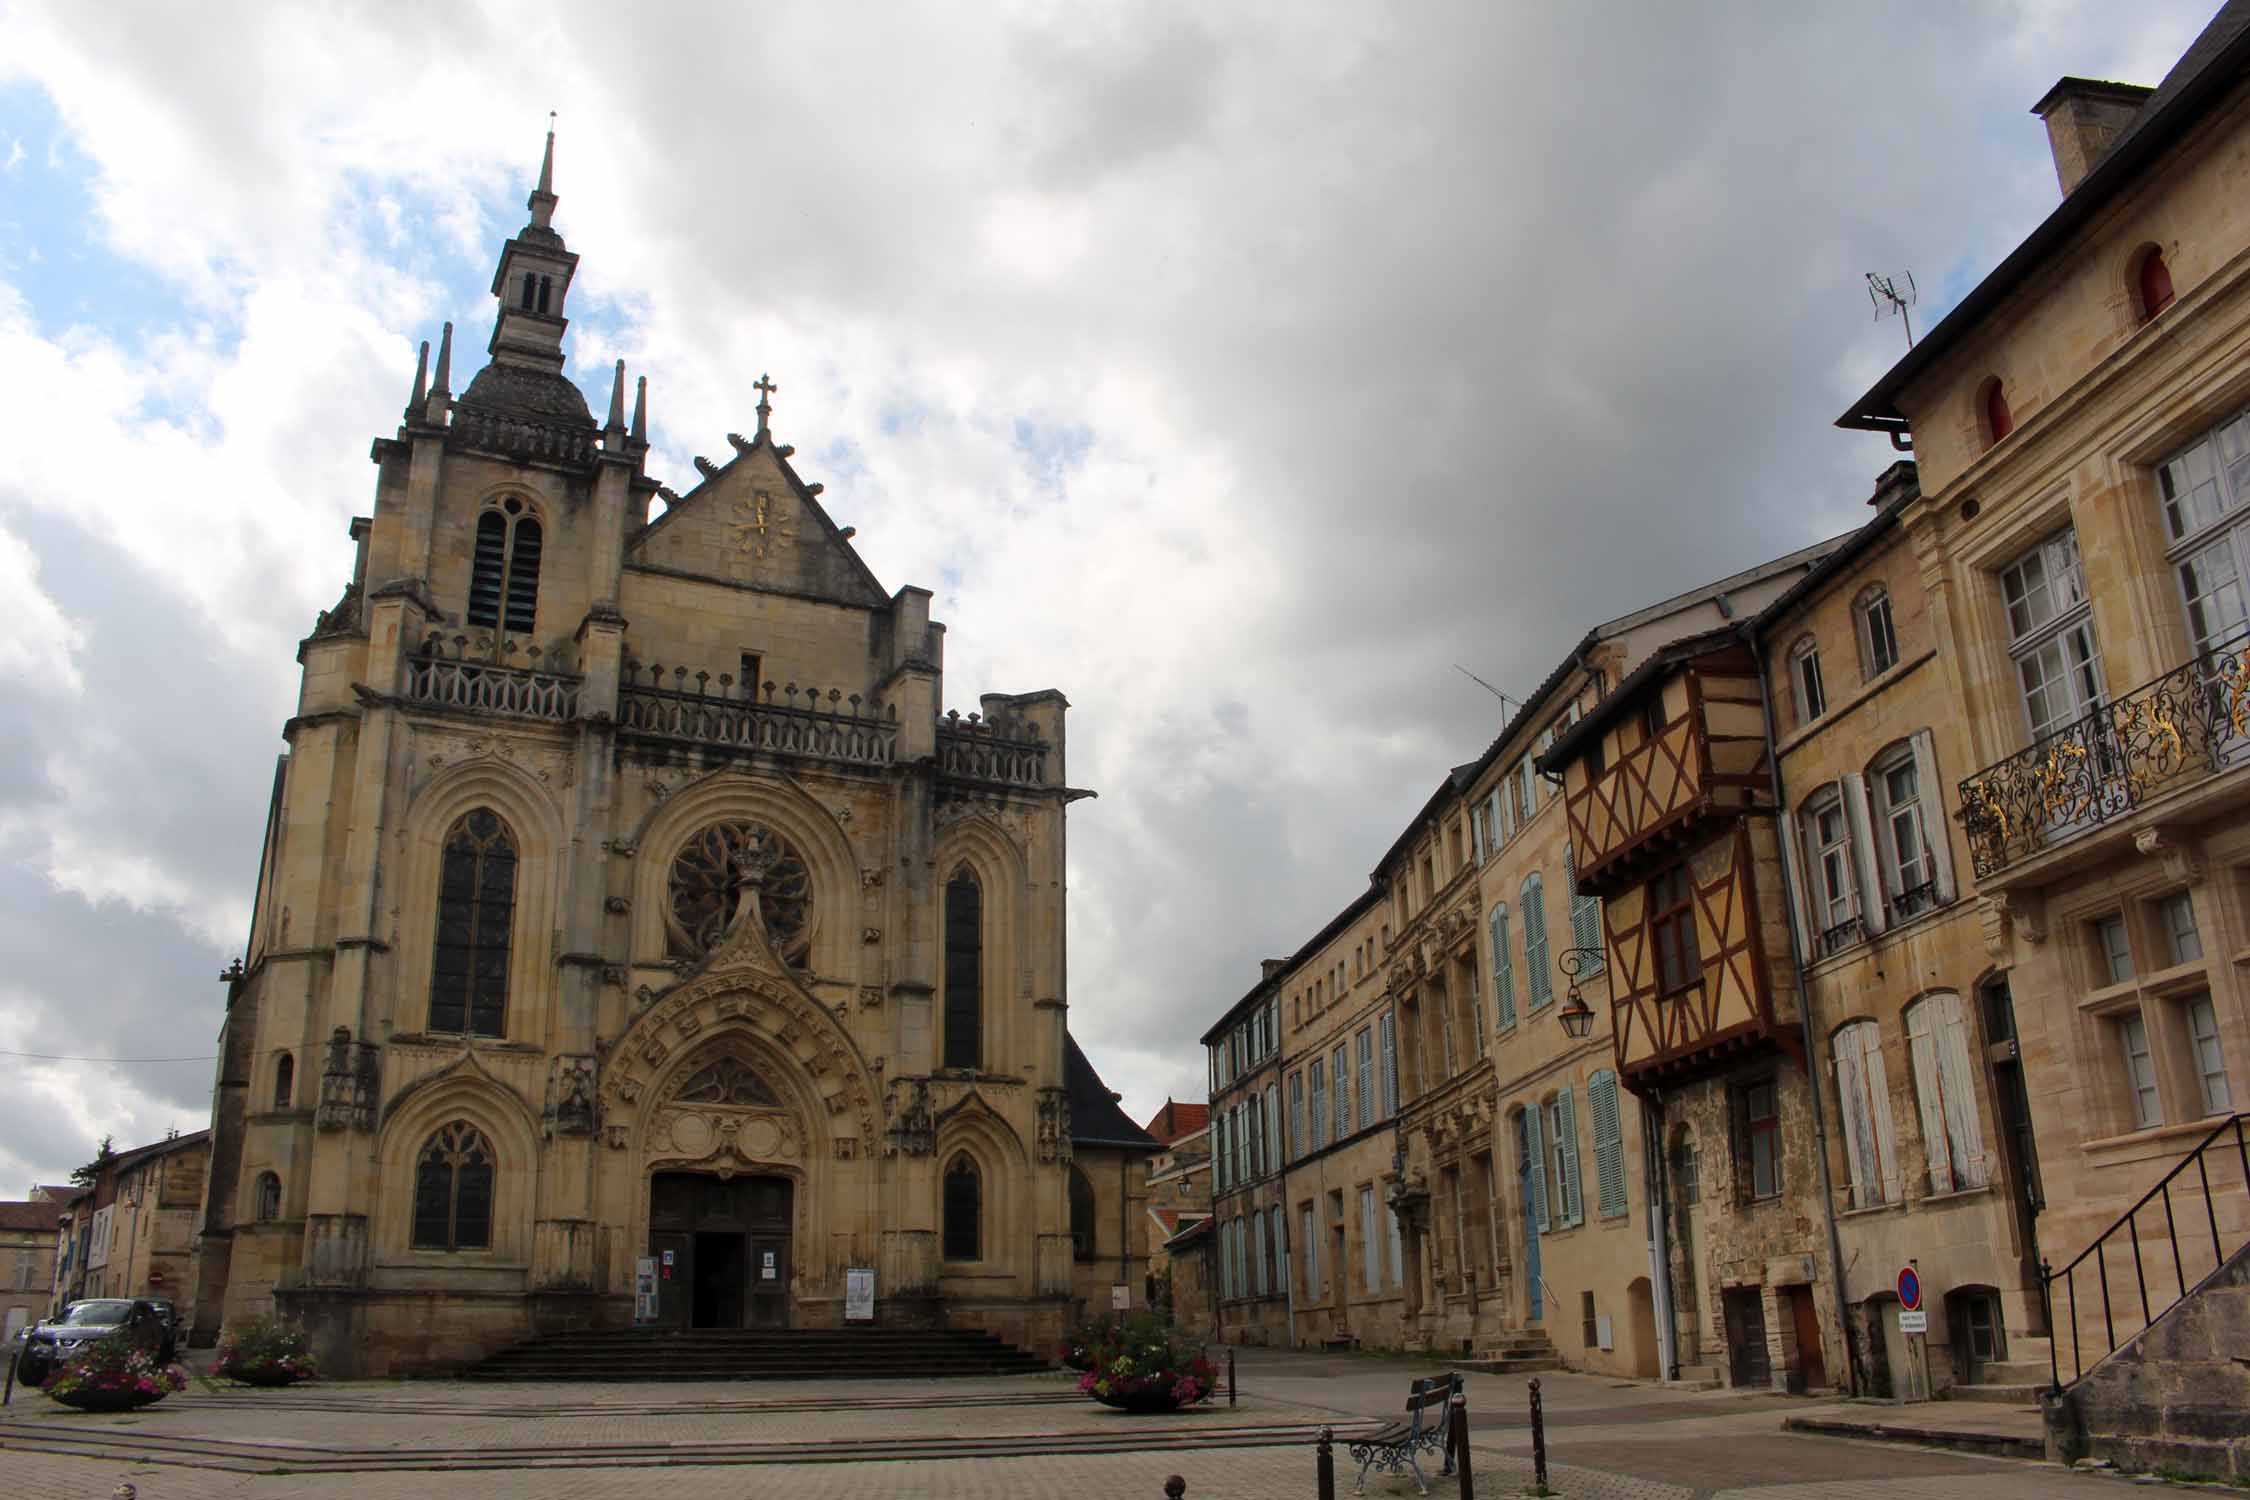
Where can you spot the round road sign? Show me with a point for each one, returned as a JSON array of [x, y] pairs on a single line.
[[1909, 1289]]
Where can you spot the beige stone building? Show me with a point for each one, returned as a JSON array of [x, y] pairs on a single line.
[[132, 1231], [27, 1261], [2081, 421], [631, 895], [1928, 1135], [1179, 1199]]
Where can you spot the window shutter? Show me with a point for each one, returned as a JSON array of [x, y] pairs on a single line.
[[1879, 1099], [1937, 828], [1535, 943], [1572, 1207], [1585, 913], [1609, 1142], [1929, 1096], [1793, 868], [1865, 866], [1958, 1089], [1390, 1065], [1503, 971], [1536, 1149], [1273, 1123]]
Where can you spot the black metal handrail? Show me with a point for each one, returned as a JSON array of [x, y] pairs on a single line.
[[2129, 1222]]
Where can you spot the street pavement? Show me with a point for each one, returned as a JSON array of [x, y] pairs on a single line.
[[1028, 1436]]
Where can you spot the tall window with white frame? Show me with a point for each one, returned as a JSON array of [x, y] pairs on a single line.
[[2140, 1070], [2206, 495], [1805, 680], [1835, 883], [1878, 637], [2114, 948], [2180, 931], [2208, 1056], [2051, 634], [1909, 873]]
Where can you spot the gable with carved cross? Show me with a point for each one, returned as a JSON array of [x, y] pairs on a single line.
[[752, 522]]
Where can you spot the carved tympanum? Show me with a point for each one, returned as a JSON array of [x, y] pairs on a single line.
[[728, 1080]]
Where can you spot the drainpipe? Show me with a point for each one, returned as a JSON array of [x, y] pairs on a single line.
[[1125, 1223], [1805, 1023], [1660, 1226]]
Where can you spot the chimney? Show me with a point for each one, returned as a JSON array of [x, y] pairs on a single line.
[[2084, 117], [1269, 967], [1900, 479]]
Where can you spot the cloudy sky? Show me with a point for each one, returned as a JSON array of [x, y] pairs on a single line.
[[1237, 369]]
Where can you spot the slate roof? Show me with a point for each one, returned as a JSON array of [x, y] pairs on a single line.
[[2212, 65], [1095, 1119], [547, 395]]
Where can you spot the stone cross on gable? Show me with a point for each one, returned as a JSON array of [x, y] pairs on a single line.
[[765, 387]]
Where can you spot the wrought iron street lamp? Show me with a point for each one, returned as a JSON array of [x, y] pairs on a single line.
[[1576, 1015]]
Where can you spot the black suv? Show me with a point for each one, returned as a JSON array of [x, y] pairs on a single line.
[[53, 1339]]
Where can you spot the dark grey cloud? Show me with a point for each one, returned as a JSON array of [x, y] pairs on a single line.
[[1386, 339]]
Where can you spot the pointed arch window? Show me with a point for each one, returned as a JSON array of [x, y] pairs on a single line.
[[476, 908], [964, 1210], [453, 1190], [1081, 1216], [504, 574], [964, 971], [269, 1197], [284, 1081]]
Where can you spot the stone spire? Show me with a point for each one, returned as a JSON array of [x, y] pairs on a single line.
[[542, 199], [640, 412], [616, 422], [415, 401]]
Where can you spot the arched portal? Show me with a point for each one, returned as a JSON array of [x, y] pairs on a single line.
[[724, 1246]]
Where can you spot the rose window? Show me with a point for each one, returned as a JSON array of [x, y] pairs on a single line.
[[732, 870]]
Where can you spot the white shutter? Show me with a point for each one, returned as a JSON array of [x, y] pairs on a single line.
[[1537, 1150], [1879, 1100], [1937, 828], [1851, 1094], [1390, 1065], [1866, 865], [1929, 1095], [1573, 1206], [1534, 902], [1793, 869], [1958, 1089]]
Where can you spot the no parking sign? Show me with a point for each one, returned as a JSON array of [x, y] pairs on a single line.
[[1911, 1317]]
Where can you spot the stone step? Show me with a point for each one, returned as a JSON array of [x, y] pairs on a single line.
[[2014, 1371], [2010, 1395], [1698, 1377], [757, 1354]]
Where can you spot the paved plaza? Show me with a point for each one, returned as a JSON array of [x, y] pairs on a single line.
[[1026, 1436]]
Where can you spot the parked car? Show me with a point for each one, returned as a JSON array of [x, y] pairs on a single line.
[[171, 1314], [49, 1341]]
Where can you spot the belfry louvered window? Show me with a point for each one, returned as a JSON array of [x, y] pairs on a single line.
[[453, 1191], [504, 578], [476, 908]]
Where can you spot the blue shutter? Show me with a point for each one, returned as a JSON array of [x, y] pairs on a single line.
[[1572, 1209], [1609, 1142], [1534, 904], [1585, 916], [1503, 971], [1536, 1149]]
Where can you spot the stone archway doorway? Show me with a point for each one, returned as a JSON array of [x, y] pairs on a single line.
[[722, 1245]]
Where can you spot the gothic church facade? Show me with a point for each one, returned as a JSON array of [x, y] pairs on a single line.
[[627, 893]]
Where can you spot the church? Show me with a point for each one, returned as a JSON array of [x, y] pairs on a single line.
[[639, 938]]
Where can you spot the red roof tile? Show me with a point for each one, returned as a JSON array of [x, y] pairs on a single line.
[[1176, 1119]]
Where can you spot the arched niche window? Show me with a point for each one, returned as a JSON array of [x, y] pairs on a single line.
[[2152, 283], [1081, 1216], [284, 1081], [453, 1190], [476, 907], [964, 971], [269, 1197], [964, 1210], [538, 291], [1993, 413], [504, 575]]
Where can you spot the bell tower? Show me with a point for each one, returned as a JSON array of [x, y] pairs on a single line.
[[532, 281]]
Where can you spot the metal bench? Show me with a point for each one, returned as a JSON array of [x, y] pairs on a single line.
[[1396, 1448]]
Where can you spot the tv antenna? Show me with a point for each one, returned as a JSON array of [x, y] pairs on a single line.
[[1505, 700], [1888, 299]]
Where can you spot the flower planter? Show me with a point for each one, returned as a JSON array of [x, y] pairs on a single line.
[[267, 1375], [1142, 1401], [99, 1400]]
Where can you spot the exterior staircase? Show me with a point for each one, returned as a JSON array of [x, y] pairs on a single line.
[[2016, 1380], [1517, 1351], [635, 1354]]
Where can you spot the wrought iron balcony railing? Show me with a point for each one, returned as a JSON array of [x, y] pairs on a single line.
[[800, 721], [484, 676], [2190, 723], [976, 749]]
